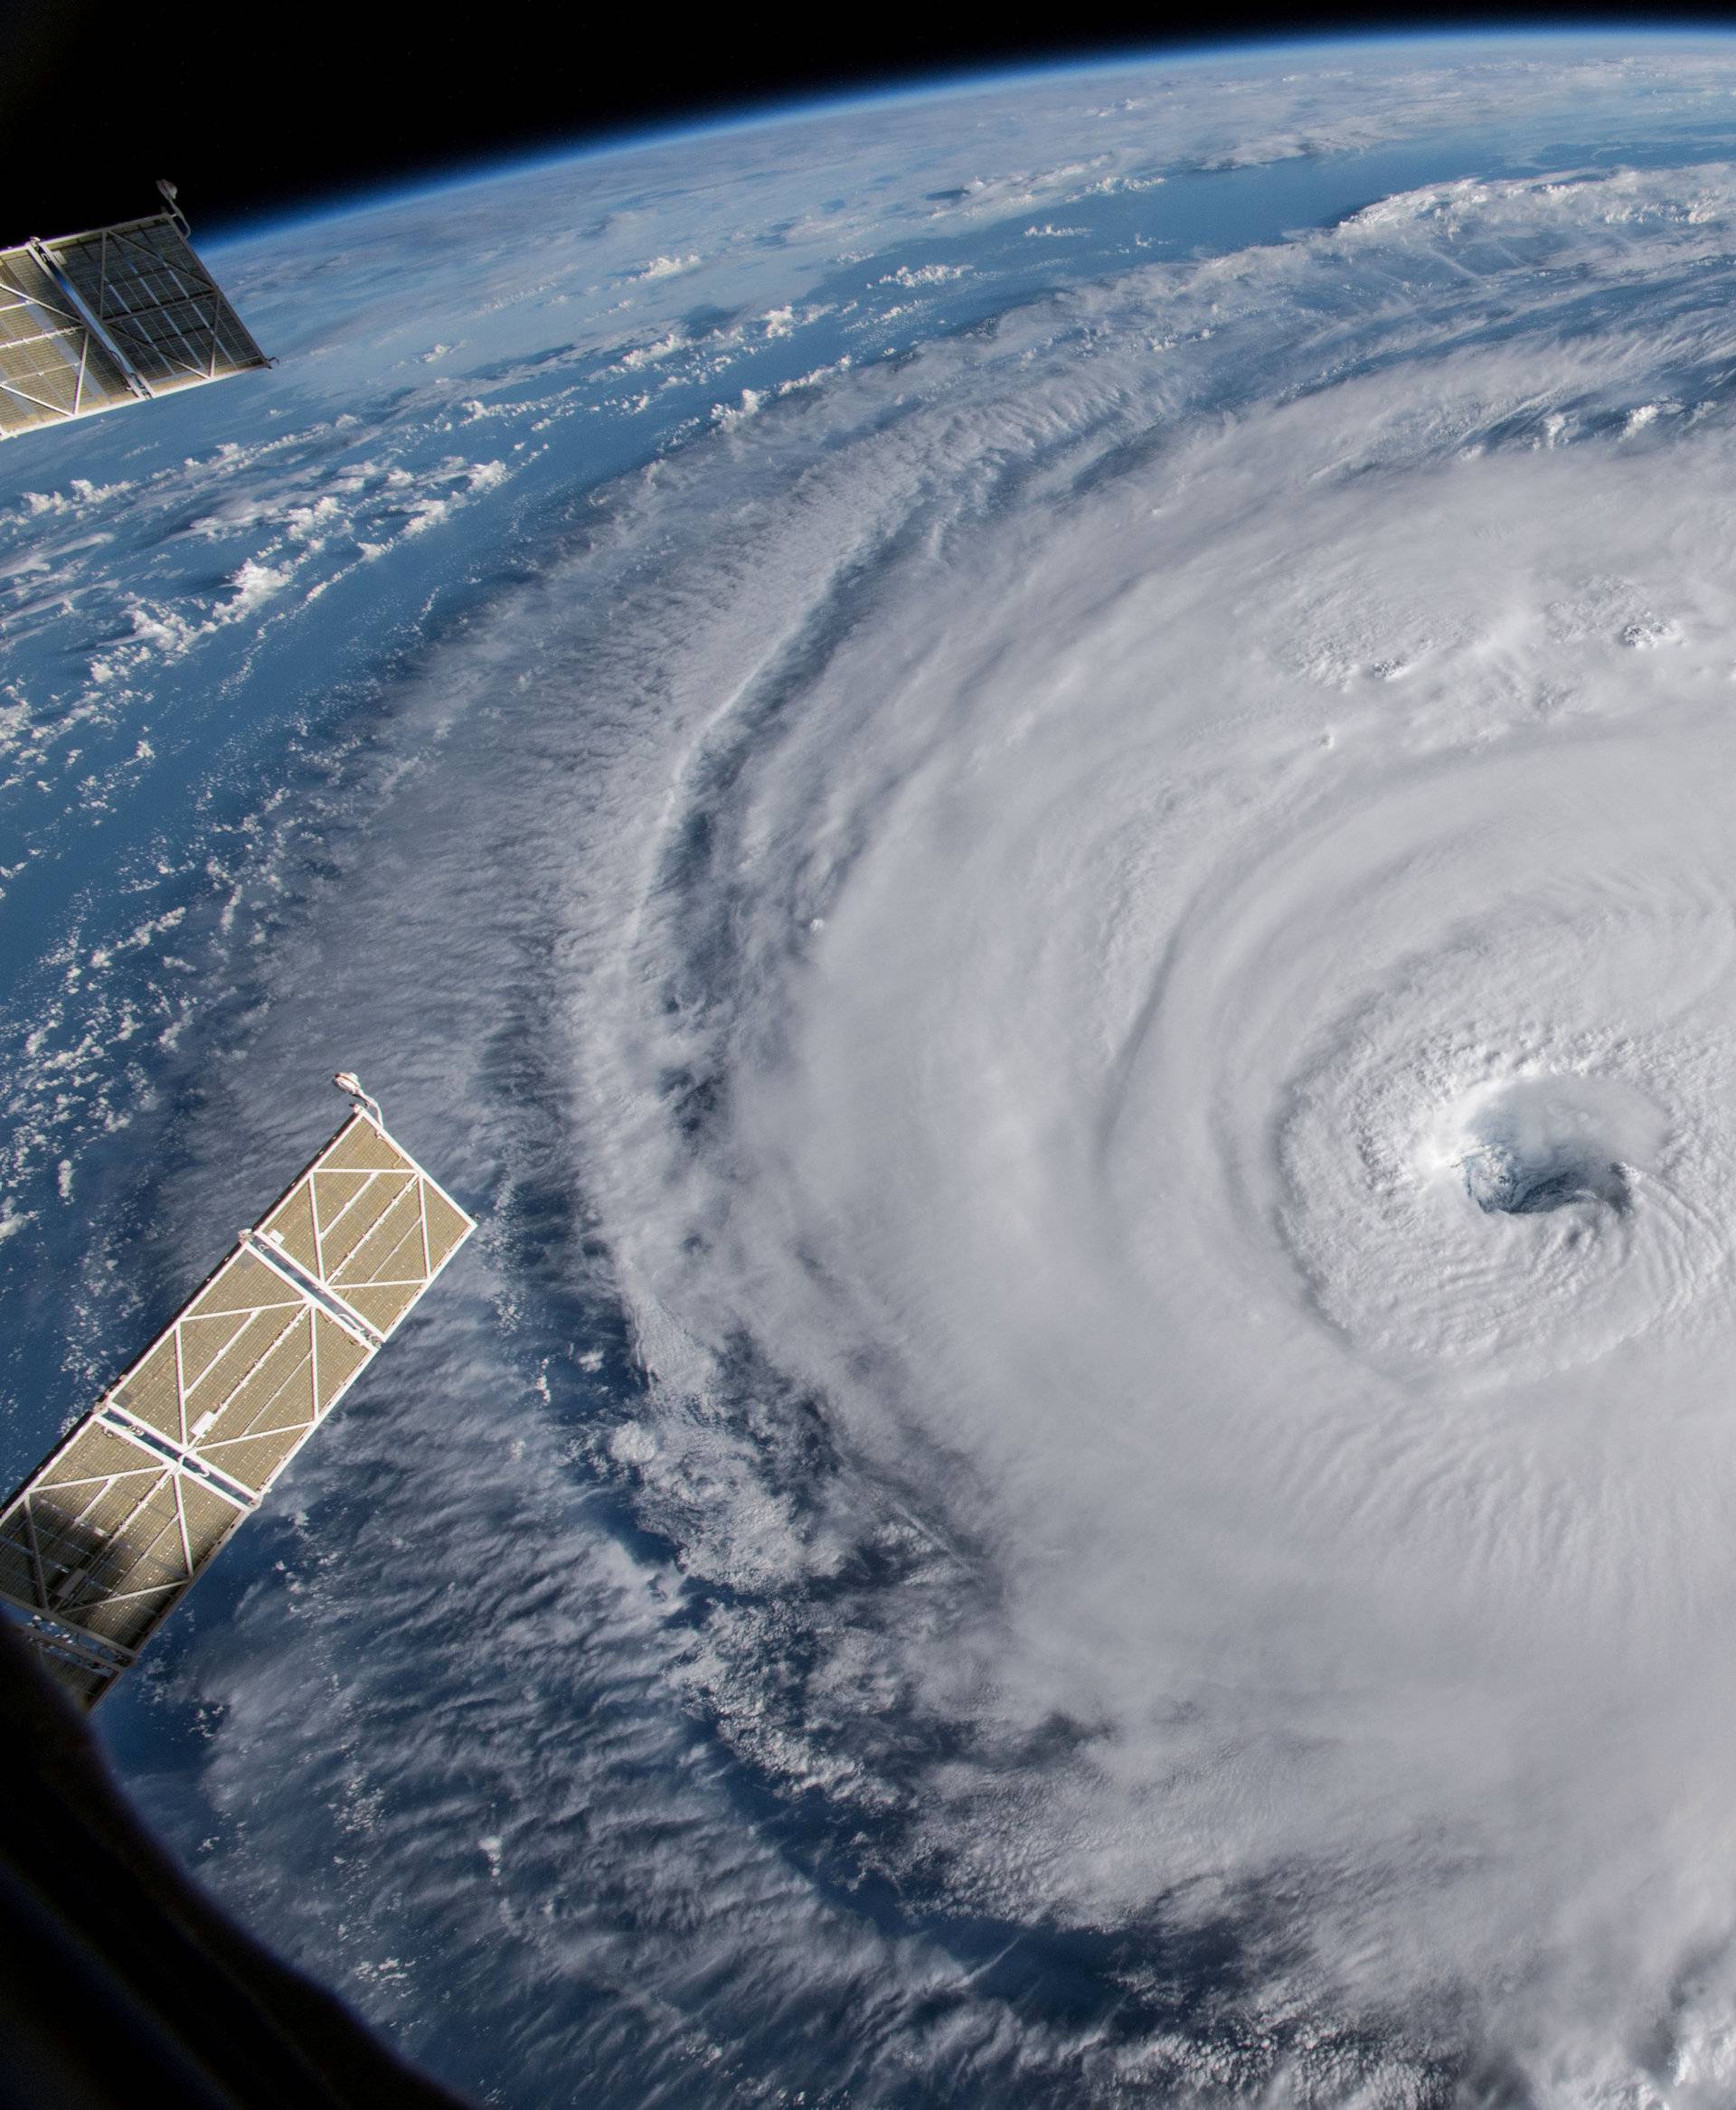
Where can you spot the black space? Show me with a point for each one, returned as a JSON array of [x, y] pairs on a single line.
[[255, 112]]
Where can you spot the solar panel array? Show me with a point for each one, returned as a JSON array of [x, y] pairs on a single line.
[[91, 322], [107, 1536]]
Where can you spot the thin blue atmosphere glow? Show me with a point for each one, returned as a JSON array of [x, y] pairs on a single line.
[[966, 81]]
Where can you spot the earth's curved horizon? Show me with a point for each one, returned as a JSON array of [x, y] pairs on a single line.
[[725, 121], [1029, 781]]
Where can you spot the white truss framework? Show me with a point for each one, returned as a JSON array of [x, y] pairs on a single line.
[[107, 1536]]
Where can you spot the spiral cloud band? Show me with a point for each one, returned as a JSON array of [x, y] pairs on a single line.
[[1091, 969], [1188, 989]]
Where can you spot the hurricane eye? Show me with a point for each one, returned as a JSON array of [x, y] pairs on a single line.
[[1542, 1144], [1508, 1181]]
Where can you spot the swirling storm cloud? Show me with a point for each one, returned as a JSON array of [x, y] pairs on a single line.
[[1083, 945]]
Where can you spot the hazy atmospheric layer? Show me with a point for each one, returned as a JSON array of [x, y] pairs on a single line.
[[1088, 973]]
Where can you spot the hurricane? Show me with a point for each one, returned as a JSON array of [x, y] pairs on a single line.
[[1084, 966]]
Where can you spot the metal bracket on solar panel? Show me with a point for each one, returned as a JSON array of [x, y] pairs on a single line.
[[169, 192], [350, 1084]]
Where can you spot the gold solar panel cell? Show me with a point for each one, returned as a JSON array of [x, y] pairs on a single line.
[[395, 1249], [262, 1353], [109, 1507], [382, 1303], [279, 1389], [391, 1250], [129, 1617], [91, 1455], [93, 1499], [117, 1592], [360, 1147], [129, 1621], [206, 1337], [95, 1467], [208, 1518], [274, 1391], [448, 1225], [401, 1220], [243, 1285], [383, 1308], [347, 1230], [151, 1391], [338, 1358], [291, 1226], [255, 1460], [347, 1226], [262, 1430]]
